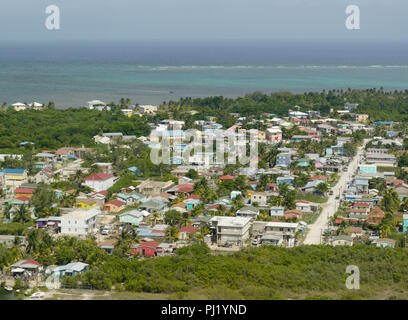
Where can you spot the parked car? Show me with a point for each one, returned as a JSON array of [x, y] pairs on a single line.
[[227, 245], [255, 242]]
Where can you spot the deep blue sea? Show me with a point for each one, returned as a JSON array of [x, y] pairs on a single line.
[[72, 73]]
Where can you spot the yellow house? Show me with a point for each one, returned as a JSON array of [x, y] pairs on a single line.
[[85, 204], [15, 177]]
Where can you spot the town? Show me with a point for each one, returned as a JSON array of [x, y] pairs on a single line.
[[338, 179]]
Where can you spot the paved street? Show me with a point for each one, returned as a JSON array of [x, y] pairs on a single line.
[[315, 230]]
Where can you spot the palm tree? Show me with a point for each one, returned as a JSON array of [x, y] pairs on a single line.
[[155, 217], [171, 233], [384, 230], [33, 241], [22, 215]]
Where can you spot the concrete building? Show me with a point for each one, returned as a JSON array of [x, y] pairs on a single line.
[[79, 222], [230, 229]]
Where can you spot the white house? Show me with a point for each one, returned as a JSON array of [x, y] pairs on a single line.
[[79, 222], [147, 109], [97, 104], [99, 181], [230, 229], [19, 106]]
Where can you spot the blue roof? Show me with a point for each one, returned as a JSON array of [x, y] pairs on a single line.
[[13, 171]]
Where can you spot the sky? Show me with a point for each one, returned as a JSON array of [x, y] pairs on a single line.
[[24, 20]]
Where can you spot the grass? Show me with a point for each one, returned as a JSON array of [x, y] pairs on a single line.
[[311, 197]]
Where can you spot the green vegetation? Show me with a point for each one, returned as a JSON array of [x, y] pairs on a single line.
[[257, 273], [311, 197], [53, 129]]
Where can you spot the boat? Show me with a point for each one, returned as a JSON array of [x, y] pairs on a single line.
[[8, 288], [38, 295]]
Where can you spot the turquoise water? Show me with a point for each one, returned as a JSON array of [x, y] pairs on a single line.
[[148, 72]]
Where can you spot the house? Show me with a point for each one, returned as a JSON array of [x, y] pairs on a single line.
[[184, 232], [153, 205], [384, 243], [277, 211], [135, 170], [14, 177], [191, 203], [306, 206], [361, 117], [286, 230], [99, 181], [311, 186], [226, 178], [342, 240], [146, 248], [248, 211], [274, 134], [259, 197], [354, 231], [147, 109], [404, 222], [108, 245], [133, 217], [95, 103], [149, 187], [283, 160], [375, 216], [230, 229], [271, 240], [85, 203], [24, 192], [8, 240], [291, 214], [50, 222], [79, 222], [19, 106], [71, 269], [114, 206], [29, 267]]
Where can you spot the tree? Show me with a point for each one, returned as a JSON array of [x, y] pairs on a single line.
[[172, 233], [192, 174], [173, 217], [22, 215], [322, 188]]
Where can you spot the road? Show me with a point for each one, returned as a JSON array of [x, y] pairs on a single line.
[[315, 230]]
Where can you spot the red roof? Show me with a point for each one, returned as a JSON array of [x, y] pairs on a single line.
[[338, 221], [31, 262], [227, 178], [214, 206], [193, 196], [99, 177], [190, 229], [151, 244], [116, 202], [23, 198], [361, 204], [103, 192], [188, 187], [302, 201], [24, 190], [61, 151], [318, 178]]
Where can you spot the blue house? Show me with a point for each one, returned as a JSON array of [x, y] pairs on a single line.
[[191, 203], [283, 160], [135, 170], [405, 223], [71, 269], [287, 179]]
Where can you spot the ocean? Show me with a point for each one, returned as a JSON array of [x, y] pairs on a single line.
[[150, 72]]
